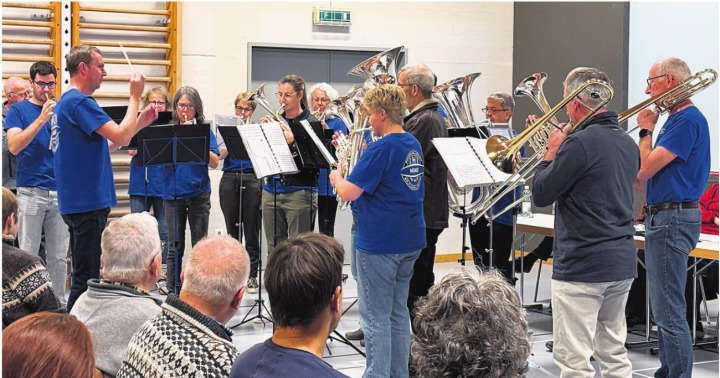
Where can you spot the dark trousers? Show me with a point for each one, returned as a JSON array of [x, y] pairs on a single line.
[[85, 235], [196, 210], [501, 244], [234, 187], [327, 209], [423, 276]]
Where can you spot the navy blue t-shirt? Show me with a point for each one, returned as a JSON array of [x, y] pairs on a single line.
[[390, 210], [271, 360], [189, 180], [685, 134], [82, 158], [324, 187], [36, 164]]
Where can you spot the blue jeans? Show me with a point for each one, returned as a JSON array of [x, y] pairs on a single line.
[[138, 204], [383, 284], [670, 235], [85, 235], [37, 212]]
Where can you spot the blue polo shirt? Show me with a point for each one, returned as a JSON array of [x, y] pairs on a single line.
[[324, 187], [82, 158], [188, 180], [36, 164], [390, 210], [685, 134]]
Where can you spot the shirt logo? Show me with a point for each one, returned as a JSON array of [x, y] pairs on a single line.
[[413, 170], [54, 134]]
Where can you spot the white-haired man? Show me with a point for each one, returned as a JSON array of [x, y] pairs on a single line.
[[117, 305], [189, 337]]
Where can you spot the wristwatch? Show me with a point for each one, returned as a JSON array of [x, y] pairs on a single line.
[[645, 132]]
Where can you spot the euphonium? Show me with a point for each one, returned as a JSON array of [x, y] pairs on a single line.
[[379, 69], [596, 89], [454, 97], [532, 87], [259, 97]]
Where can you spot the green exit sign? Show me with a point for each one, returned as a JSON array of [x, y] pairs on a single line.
[[331, 17]]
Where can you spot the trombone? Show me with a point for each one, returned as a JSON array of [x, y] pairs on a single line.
[[675, 95], [507, 157]]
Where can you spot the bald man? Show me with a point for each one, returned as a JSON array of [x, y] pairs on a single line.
[[16, 90], [189, 335]]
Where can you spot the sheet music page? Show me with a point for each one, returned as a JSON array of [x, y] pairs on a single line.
[[259, 150], [463, 163], [480, 147], [227, 120], [276, 140]]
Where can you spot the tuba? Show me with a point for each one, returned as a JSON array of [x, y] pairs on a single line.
[[454, 97], [379, 69], [596, 89]]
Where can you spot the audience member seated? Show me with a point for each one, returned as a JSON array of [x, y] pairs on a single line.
[[188, 338], [117, 305], [26, 283], [471, 324], [303, 279], [48, 345]]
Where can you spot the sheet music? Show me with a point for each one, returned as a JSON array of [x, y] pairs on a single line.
[[326, 154], [467, 161], [227, 120], [267, 148]]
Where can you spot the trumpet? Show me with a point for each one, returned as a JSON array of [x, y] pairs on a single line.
[[675, 95], [527, 170]]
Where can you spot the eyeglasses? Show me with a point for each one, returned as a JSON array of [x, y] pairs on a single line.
[[186, 106], [158, 103], [323, 100], [284, 95], [491, 110], [244, 110], [653, 78], [43, 84]]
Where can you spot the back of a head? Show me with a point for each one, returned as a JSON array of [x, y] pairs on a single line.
[[592, 95], [79, 54], [471, 324], [388, 97], [217, 269], [301, 276], [9, 204], [47, 345], [129, 245]]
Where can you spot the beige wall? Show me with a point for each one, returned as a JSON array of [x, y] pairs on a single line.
[[452, 38]]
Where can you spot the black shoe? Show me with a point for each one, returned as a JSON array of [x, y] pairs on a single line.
[[355, 335], [635, 322], [549, 346], [527, 262]]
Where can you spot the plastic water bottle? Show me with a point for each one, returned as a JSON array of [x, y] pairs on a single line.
[[526, 207]]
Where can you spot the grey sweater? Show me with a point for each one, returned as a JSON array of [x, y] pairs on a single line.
[[113, 313]]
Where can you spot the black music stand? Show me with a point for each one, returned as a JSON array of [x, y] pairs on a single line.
[[170, 145], [236, 150]]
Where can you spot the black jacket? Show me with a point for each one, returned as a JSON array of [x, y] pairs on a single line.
[[425, 123], [306, 177]]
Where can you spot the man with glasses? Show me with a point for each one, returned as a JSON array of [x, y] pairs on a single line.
[[28, 137], [425, 123], [674, 174], [117, 305], [82, 137], [498, 110], [16, 89]]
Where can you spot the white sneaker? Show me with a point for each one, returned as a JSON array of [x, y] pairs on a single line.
[[252, 286]]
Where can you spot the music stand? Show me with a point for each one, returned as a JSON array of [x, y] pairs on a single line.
[[170, 145], [236, 150]]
